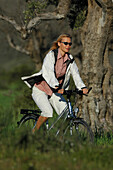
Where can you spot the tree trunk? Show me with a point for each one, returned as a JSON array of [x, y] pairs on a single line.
[[96, 70]]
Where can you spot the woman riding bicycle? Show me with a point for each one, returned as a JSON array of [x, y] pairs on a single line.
[[50, 82]]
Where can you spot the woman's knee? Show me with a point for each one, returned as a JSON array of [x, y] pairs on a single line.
[[47, 112]]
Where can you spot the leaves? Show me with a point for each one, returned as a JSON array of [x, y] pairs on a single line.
[[78, 12], [80, 19], [33, 8]]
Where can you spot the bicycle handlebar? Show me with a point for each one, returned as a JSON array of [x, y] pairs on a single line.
[[80, 92]]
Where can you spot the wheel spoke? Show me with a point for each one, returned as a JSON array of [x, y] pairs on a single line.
[[83, 131], [78, 130]]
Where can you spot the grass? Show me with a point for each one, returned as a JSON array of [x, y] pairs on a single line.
[[21, 150], [35, 153]]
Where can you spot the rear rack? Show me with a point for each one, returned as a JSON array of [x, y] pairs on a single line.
[[28, 111]]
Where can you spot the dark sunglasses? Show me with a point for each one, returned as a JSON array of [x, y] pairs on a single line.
[[66, 43]]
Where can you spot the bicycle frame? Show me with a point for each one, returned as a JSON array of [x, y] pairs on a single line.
[[68, 111], [67, 120], [71, 114]]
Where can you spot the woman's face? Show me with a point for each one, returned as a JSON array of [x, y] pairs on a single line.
[[65, 45]]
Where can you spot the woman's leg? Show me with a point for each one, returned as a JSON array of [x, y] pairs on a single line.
[[42, 101], [40, 121]]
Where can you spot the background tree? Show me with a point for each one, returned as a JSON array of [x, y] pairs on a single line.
[[37, 35], [96, 68], [93, 57]]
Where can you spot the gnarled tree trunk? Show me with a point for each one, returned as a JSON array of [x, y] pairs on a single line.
[[96, 70]]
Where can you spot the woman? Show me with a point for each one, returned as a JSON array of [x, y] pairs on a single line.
[[50, 82]]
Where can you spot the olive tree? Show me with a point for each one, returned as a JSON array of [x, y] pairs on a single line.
[[96, 72], [96, 68]]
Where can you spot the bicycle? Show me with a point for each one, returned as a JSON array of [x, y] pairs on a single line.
[[67, 123]]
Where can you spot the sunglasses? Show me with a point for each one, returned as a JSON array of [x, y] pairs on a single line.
[[66, 43]]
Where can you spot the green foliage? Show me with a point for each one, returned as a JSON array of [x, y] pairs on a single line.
[[78, 13], [24, 100], [80, 19], [20, 149], [104, 138], [13, 76], [33, 8]]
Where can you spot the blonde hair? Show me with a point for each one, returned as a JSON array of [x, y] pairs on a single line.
[[59, 39]]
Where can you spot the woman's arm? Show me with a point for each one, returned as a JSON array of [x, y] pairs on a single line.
[[76, 76]]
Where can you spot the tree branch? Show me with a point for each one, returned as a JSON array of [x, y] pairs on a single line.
[[20, 29], [46, 16], [11, 21], [17, 47], [26, 30], [64, 7], [102, 5]]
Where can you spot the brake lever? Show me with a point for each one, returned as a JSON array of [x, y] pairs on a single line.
[[89, 89], [80, 92]]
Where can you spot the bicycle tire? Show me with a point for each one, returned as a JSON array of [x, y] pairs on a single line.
[[28, 120], [81, 131]]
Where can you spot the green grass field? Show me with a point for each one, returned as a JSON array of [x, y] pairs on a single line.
[[21, 150]]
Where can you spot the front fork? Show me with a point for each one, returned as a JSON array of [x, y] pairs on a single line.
[[72, 115], [71, 128]]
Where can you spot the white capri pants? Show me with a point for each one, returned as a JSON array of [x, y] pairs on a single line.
[[56, 101]]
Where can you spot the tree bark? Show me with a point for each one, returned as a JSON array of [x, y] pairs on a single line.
[[64, 7], [96, 70]]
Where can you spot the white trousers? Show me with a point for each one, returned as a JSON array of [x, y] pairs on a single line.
[[56, 101]]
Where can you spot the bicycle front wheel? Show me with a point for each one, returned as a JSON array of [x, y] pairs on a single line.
[[79, 130], [83, 130]]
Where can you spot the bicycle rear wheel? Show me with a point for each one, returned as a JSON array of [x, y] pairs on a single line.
[[28, 120], [80, 130]]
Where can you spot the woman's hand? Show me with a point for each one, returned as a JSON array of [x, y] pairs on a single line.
[[61, 91], [85, 91]]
